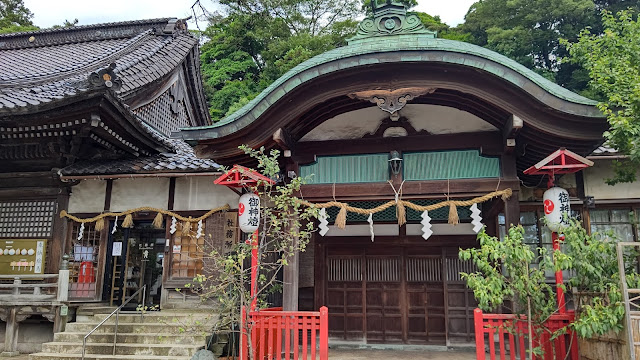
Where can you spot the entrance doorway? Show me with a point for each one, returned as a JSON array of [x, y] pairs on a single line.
[[135, 258], [400, 292]]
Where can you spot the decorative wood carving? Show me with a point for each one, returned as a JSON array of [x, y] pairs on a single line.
[[390, 19], [105, 77], [388, 123], [176, 96], [391, 101]]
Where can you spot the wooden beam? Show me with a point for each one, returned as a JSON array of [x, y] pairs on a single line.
[[107, 195], [410, 189], [510, 131], [489, 143], [512, 127], [283, 139]]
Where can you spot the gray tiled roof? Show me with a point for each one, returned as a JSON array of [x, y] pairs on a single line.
[[41, 67], [38, 69], [183, 160]]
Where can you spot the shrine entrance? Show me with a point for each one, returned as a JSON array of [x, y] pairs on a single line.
[[135, 258], [403, 291]]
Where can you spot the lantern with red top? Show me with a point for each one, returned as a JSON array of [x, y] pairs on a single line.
[[248, 217], [248, 210], [556, 199]]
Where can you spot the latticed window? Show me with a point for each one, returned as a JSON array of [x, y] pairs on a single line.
[[187, 253], [389, 214], [619, 221], [27, 219], [84, 261]]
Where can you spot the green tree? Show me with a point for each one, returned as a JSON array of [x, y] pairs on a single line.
[[15, 17], [256, 42], [507, 271], [444, 31], [529, 32], [285, 228], [612, 60]]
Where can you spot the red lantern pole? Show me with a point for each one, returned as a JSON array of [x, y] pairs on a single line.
[[241, 177], [561, 161], [254, 271], [559, 278]]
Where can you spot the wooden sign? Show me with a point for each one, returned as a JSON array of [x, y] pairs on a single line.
[[22, 256], [230, 231]]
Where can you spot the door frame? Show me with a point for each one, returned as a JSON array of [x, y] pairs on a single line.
[[442, 245]]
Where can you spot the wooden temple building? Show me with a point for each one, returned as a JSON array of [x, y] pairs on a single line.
[[112, 117], [463, 121]]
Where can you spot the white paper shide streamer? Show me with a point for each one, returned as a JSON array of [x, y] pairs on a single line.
[[426, 225], [476, 218], [323, 226], [81, 231], [115, 226], [174, 223], [200, 230], [370, 220]]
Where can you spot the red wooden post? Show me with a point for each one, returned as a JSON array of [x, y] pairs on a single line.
[[559, 280], [324, 333], [254, 270], [244, 339], [479, 329]]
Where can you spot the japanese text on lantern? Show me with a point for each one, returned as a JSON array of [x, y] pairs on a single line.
[[254, 211], [565, 208]]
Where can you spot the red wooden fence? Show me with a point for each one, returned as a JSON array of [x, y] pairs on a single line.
[[289, 335], [512, 342]]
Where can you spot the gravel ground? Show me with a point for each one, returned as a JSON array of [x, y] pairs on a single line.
[[366, 354], [375, 354]]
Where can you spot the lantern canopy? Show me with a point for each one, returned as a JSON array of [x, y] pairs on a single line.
[[239, 176]]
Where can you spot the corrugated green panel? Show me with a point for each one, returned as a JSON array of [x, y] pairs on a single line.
[[348, 169], [442, 165]]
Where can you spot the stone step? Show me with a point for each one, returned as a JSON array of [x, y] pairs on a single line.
[[131, 338], [124, 327], [157, 317], [44, 356], [121, 349]]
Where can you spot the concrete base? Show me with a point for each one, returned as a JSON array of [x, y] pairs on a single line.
[[33, 333], [9, 354]]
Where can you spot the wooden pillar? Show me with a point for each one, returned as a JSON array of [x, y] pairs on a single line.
[[318, 271], [11, 334], [59, 232], [512, 205], [512, 210], [290, 283]]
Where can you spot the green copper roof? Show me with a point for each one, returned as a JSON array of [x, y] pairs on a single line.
[[406, 47]]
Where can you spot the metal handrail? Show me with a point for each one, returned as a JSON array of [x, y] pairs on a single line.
[[117, 313]]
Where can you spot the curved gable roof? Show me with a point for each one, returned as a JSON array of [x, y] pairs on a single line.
[[409, 48]]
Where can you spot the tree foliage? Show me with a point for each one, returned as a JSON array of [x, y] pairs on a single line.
[[509, 270], [15, 17], [613, 62], [529, 32], [285, 228], [255, 42], [434, 23]]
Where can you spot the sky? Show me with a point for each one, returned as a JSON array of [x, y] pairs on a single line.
[[54, 12]]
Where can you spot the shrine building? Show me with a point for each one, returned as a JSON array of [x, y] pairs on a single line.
[[400, 112], [107, 153]]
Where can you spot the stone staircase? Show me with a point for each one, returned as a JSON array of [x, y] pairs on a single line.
[[175, 335]]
